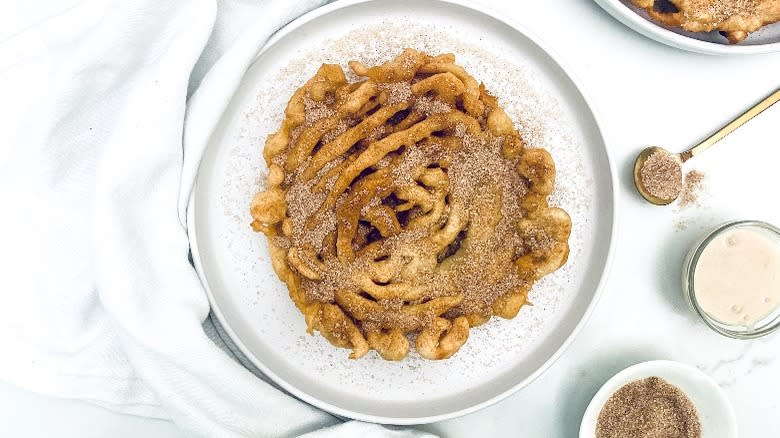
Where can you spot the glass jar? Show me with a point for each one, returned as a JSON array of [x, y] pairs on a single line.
[[765, 325]]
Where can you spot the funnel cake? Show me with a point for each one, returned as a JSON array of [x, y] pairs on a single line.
[[405, 206], [734, 19]]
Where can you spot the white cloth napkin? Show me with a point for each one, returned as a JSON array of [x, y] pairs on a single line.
[[99, 146]]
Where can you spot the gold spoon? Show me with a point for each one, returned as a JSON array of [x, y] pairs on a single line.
[[696, 150]]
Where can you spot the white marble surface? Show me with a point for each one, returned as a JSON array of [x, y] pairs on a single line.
[[647, 94]]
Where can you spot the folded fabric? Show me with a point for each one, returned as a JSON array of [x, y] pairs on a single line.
[[99, 147]]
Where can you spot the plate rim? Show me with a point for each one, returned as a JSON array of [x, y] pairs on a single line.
[[651, 30], [597, 293]]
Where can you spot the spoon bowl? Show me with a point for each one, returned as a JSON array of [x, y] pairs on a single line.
[[639, 183]]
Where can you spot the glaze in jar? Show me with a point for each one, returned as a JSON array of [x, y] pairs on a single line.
[[731, 279]]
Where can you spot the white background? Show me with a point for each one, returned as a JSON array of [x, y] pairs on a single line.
[[646, 94]]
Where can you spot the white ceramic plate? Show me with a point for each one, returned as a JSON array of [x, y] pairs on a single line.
[[713, 407], [500, 356], [765, 40]]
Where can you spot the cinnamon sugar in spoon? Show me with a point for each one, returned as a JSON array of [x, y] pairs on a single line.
[[658, 172]]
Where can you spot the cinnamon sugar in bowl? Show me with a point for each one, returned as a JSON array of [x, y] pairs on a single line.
[[660, 398]]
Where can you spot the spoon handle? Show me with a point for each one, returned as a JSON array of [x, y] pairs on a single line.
[[734, 124]]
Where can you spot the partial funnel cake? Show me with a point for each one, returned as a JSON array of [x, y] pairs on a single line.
[[404, 207], [734, 19]]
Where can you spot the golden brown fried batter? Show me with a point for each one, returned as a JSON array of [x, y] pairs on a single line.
[[735, 19], [406, 204]]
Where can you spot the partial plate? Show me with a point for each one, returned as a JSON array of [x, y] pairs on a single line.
[[501, 356], [765, 40], [715, 412]]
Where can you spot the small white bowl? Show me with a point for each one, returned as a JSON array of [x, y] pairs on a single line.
[[715, 412]]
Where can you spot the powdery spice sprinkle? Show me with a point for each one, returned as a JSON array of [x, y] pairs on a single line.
[[691, 188], [474, 168], [477, 170], [648, 408], [316, 111], [718, 10], [429, 106], [397, 92], [661, 175]]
